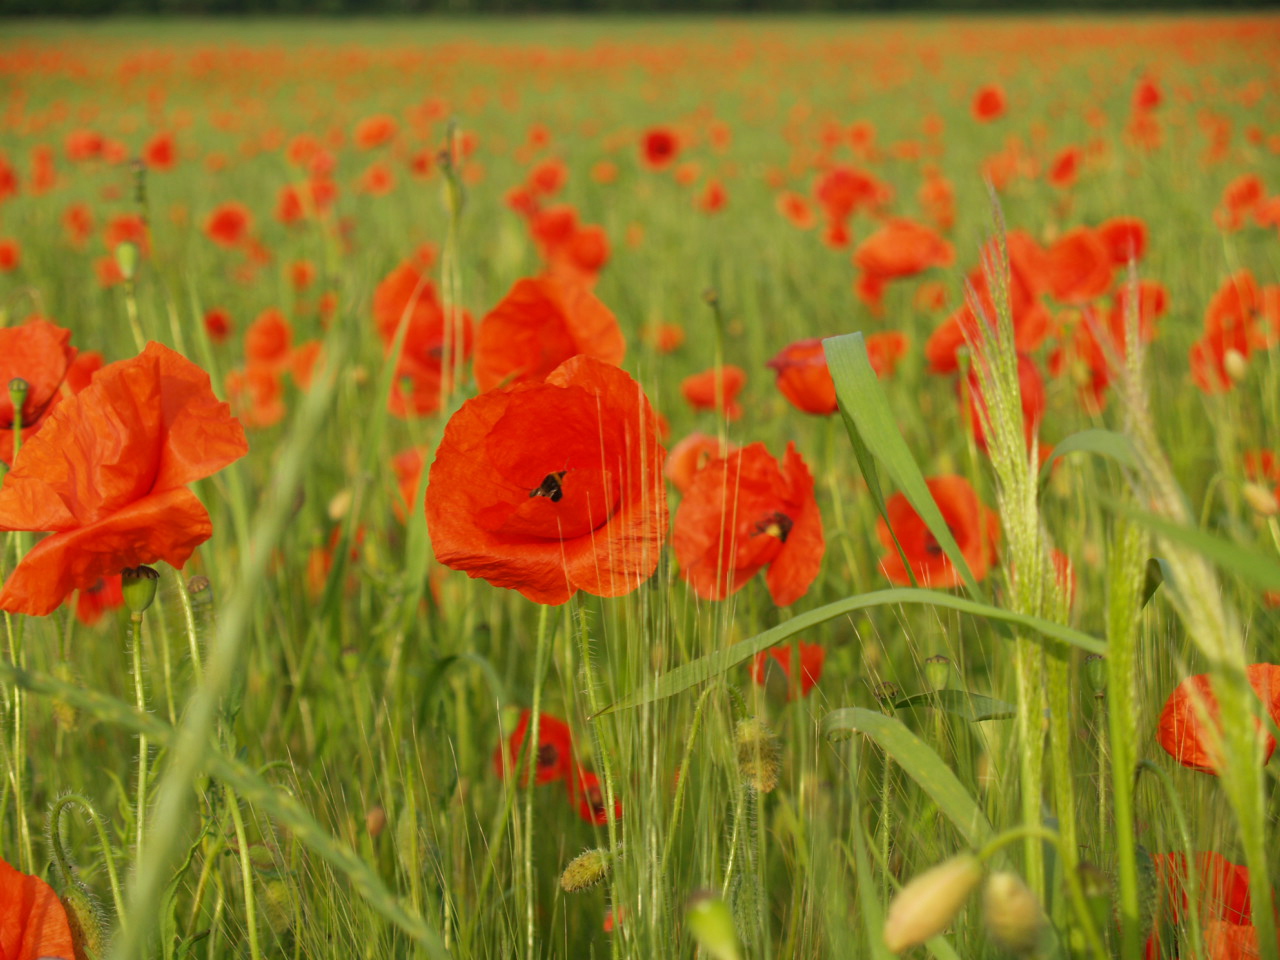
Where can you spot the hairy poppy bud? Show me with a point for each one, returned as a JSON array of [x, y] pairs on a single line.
[[759, 757], [84, 917], [927, 905], [937, 672], [127, 259], [711, 924], [1012, 913], [278, 905], [1261, 500], [586, 870], [139, 587]]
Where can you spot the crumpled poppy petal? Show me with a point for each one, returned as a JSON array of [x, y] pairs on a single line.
[[33, 923], [164, 526], [798, 562]]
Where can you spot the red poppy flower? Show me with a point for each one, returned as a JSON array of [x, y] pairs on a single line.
[[33, 922], [229, 224], [92, 602], [659, 147], [976, 529], [587, 794], [885, 350], [714, 197], [1079, 266], [257, 396], [1225, 906], [268, 341], [217, 324], [107, 474], [1182, 733], [1031, 389], [1146, 95], [539, 325], [1231, 333], [803, 377], [375, 131], [667, 337], [10, 254], [1125, 239], [40, 354], [82, 370], [900, 248], [743, 512], [812, 657], [690, 455], [160, 153], [700, 389], [555, 750], [554, 487], [988, 103], [1065, 167]]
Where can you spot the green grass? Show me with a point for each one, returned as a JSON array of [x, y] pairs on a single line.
[[388, 689]]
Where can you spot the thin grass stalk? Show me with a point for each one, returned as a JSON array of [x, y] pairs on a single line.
[[246, 875], [541, 655]]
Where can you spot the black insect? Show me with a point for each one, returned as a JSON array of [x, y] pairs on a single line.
[[550, 487]]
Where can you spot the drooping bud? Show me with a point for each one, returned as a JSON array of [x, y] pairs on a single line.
[[139, 587], [586, 870], [937, 672], [85, 919], [927, 905], [1012, 913], [711, 923], [1261, 500], [759, 756], [1095, 671]]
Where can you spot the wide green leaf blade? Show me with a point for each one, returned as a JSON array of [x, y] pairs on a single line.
[[865, 406], [1106, 443], [920, 763], [713, 664]]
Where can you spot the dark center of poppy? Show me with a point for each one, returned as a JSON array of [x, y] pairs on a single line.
[[550, 487], [776, 525], [548, 756], [596, 800]]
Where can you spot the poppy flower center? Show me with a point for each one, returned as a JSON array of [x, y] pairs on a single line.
[[777, 525], [548, 756]]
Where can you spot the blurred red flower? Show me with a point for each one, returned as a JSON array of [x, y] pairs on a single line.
[[229, 224], [976, 529], [744, 512], [107, 475], [699, 390], [659, 147], [1184, 736], [812, 657], [554, 760], [988, 103], [40, 354], [553, 487], [586, 793]]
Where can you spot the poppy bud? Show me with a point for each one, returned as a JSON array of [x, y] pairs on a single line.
[[1095, 670], [585, 870], [375, 821], [937, 672], [85, 919], [1261, 500], [759, 757], [927, 905], [711, 924], [127, 259], [1236, 365], [18, 389], [1012, 913], [139, 587]]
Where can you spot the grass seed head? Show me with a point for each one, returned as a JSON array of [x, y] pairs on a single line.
[[759, 756]]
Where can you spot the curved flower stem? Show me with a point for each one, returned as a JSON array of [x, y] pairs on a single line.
[[1078, 902], [140, 699], [104, 843], [531, 779]]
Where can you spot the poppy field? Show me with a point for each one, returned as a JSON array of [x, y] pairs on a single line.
[[640, 488]]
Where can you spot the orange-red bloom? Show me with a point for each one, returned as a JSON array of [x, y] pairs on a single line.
[[900, 248], [1225, 905], [812, 657], [554, 487], [659, 147], [586, 793], [539, 325], [107, 475], [33, 923], [1183, 734], [699, 390], [92, 602], [743, 512], [803, 377], [988, 103], [1079, 266], [555, 750], [39, 353], [229, 224], [692, 454], [976, 529]]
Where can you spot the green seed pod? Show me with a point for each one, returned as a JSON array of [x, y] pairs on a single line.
[[586, 870], [711, 924], [139, 586], [759, 756], [938, 672], [1012, 913], [18, 390], [927, 905]]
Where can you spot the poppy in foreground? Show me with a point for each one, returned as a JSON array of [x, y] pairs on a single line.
[[975, 527], [1181, 731], [1224, 905], [107, 475], [744, 512], [539, 325], [33, 922], [550, 488], [555, 750]]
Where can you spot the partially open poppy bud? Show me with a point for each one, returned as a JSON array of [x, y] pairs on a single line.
[[1095, 671], [139, 587], [711, 923], [127, 259], [1261, 500], [759, 757], [586, 870], [927, 905], [937, 672], [1012, 913], [1236, 365]]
